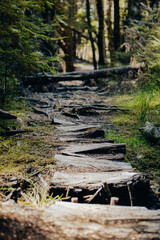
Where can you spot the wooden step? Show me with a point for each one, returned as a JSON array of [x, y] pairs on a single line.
[[79, 221], [86, 164], [130, 187], [99, 148]]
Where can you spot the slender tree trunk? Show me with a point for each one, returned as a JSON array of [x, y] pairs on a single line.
[[110, 30], [101, 39], [116, 25], [69, 51], [90, 33]]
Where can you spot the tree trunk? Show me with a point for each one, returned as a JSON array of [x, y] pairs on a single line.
[[90, 33], [101, 39], [110, 30], [116, 25]]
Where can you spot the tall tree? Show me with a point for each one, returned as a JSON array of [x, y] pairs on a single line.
[[101, 38], [90, 33], [65, 32], [109, 24], [116, 25]]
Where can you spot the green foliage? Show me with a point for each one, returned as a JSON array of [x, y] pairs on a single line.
[[142, 40], [144, 106], [24, 33]]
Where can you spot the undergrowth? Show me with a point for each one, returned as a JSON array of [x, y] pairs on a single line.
[[144, 106]]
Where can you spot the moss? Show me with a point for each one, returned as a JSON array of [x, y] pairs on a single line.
[[35, 147]]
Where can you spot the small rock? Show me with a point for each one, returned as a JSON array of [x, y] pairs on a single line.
[[139, 156], [151, 132], [20, 122]]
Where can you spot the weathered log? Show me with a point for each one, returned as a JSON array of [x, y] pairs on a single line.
[[78, 221], [6, 115], [103, 73]]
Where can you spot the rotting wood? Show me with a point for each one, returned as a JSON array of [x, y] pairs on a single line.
[[77, 128], [89, 198], [6, 115], [77, 138], [86, 163], [114, 201], [78, 221], [97, 148], [116, 181]]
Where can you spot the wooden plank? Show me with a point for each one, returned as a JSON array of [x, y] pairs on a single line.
[[78, 128], [85, 164], [92, 180], [79, 221], [57, 121], [85, 140], [99, 148], [130, 187]]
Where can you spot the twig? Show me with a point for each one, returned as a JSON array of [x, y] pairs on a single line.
[[130, 194], [89, 198]]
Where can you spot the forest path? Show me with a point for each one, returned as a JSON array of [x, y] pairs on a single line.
[[88, 169]]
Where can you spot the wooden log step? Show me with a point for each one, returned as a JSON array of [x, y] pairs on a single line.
[[92, 180], [130, 187], [78, 128], [85, 164], [85, 140], [110, 157], [97, 148], [78, 221], [58, 121]]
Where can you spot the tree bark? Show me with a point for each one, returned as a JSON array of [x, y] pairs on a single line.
[[101, 39], [90, 33], [116, 25], [110, 30]]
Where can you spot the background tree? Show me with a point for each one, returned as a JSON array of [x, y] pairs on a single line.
[[90, 33], [101, 33], [116, 25]]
